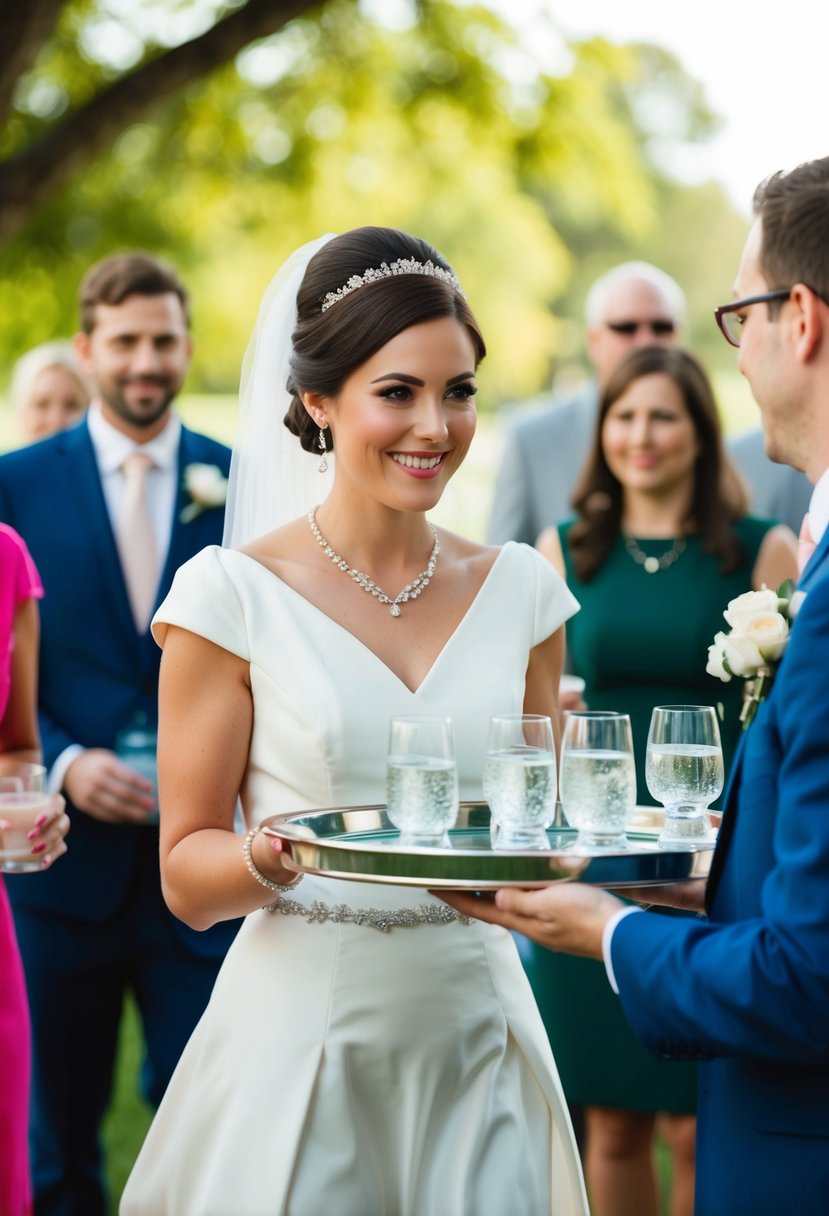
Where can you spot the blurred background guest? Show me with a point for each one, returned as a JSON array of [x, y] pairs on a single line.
[[109, 510], [20, 588], [48, 390], [660, 544], [776, 490], [632, 305]]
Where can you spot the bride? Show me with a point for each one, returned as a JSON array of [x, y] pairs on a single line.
[[389, 1063]]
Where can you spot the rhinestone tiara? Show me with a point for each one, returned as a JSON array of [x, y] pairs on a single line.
[[388, 271]]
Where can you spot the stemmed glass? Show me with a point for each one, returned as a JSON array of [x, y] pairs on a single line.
[[684, 769], [519, 780], [422, 779], [598, 778]]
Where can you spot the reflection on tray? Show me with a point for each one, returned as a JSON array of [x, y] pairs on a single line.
[[359, 843]]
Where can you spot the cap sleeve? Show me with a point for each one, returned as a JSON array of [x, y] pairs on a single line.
[[204, 600], [554, 601]]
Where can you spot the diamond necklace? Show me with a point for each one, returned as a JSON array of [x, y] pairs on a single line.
[[654, 564], [410, 592]]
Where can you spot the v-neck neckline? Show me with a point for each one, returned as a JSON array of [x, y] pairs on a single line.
[[363, 645]]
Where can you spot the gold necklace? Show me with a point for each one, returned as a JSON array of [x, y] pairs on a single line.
[[653, 564], [410, 592]]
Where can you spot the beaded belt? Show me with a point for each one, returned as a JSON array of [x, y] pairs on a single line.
[[384, 919]]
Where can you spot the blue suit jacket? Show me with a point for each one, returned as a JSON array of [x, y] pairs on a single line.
[[95, 670], [747, 990]]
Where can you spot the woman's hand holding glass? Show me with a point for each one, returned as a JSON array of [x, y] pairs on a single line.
[[33, 824], [598, 778], [684, 769]]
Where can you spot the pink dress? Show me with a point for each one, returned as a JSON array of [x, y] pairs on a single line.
[[19, 581]]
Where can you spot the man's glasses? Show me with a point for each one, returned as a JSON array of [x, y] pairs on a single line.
[[659, 329], [731, 323]]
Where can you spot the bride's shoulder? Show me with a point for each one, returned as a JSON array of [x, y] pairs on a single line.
[[278, 549]]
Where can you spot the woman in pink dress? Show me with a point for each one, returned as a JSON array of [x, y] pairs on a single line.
[[19, 742]]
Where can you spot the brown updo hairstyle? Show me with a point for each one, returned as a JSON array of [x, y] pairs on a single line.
[[328, 346], [719, 496]]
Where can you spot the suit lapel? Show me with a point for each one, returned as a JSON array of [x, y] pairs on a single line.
[[181, 541], [84, 494], [726, 831]]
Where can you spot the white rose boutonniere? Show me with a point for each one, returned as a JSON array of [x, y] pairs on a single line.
[[207, 486], [760, 624]]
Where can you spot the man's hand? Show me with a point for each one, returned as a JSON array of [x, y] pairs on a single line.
[[105, 788], [567, 916], [686, 896]]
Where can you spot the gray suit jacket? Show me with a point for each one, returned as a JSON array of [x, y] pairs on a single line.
[[777, 490], [544, 451]]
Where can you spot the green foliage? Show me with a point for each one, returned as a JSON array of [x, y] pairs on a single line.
[[530, 182]]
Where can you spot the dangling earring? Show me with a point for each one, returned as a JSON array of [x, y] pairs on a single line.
[[322, 467]]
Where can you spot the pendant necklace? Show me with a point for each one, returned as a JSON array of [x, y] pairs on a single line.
[[410, 592], [651, 564]]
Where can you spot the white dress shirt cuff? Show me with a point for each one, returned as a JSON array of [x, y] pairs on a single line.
[[56, 774], [607, 937]]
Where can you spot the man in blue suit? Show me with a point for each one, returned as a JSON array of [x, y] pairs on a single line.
[[96, 926], [744, 988]]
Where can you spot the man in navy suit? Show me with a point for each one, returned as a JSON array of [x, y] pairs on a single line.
[[96, 927], [744, 988]]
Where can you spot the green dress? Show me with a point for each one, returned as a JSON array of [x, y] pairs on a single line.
[[640, 640]]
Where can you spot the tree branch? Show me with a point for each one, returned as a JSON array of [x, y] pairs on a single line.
[[24, 28], [32, 175]]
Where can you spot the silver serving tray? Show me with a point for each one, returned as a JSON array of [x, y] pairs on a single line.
[[359, 843]]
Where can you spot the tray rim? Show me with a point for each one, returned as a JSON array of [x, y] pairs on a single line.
[[565, 865]]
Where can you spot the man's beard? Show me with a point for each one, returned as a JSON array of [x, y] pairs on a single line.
[[136, 416]]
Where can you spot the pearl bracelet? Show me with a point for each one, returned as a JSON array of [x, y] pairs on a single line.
[[257, 873]]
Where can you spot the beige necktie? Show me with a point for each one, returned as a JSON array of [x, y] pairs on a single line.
[[805, 545], [136, 540]]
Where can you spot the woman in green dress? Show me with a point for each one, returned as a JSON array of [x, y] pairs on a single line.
[[660, 544]]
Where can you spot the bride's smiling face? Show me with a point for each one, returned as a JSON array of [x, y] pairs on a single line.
[[403, 421]]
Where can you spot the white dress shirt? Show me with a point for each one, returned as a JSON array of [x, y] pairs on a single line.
[[111, 448], [819, 508]]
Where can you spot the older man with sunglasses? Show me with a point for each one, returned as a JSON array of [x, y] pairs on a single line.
[[632, 305]]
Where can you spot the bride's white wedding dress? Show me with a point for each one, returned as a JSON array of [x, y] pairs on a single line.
[[338, 1068]]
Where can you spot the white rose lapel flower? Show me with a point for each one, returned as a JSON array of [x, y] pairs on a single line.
[[207, 486], [760, 624]]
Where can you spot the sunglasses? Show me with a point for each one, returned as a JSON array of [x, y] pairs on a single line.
[[660, 329]]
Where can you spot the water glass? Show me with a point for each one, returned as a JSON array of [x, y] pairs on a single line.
[[137, 746], [684, 769], [520, 780], [422, 779], [598, 778], [22, 800]]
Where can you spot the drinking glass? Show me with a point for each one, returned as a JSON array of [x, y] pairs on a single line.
[[137, 746], [684, 769], [22, 800], [520, 780], [598, 778], [421, 779]]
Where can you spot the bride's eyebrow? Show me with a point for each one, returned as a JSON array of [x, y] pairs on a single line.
[[400, 376], [419, 383]]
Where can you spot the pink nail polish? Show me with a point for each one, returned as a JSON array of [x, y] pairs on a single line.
[[38, 848], [41, 819]]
